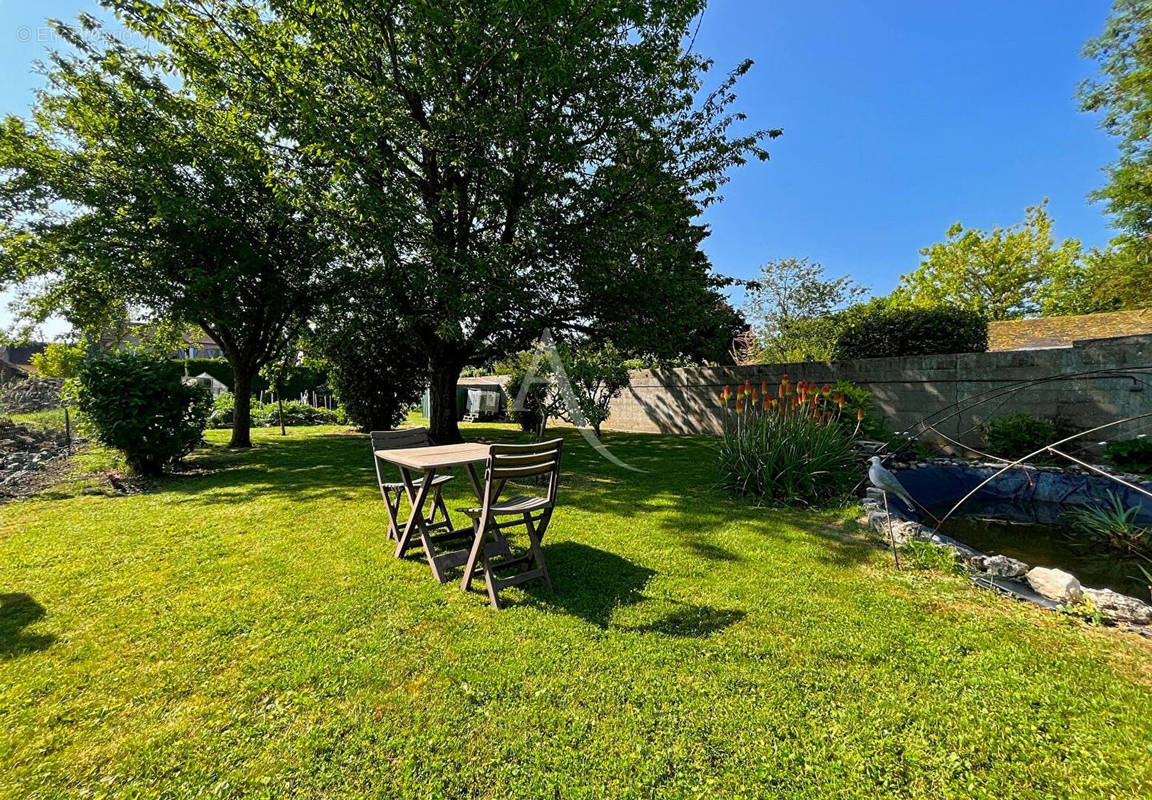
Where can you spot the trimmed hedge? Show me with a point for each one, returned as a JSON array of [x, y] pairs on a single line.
[[879, 330]]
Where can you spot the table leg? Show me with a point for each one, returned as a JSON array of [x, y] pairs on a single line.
[[417, 497]]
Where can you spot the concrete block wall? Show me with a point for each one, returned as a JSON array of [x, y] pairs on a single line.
[[905, 390]]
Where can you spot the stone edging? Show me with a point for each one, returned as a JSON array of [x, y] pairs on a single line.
[[1049, 588]]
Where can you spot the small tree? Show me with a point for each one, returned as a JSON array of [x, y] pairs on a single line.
[[59, 360], [596, 376], [790, 305], [140, 405], [375, 370]]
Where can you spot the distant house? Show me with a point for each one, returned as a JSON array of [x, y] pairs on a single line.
[[195, 344], [477, 398], [16, 362], [215, 386], [1047, 332]]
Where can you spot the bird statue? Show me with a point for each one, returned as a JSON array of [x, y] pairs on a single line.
[[888, 483]]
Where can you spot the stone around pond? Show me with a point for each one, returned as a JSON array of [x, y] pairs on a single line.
[[999, 566], [1120, 607], [1055, 584]]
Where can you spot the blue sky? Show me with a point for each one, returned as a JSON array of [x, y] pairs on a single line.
[[899, 116]]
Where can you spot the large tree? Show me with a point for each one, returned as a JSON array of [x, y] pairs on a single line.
[[127, 186], [1123, 95], [999, 273], [506, 165]]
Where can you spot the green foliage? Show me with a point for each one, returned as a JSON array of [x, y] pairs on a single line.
[[59, 360], [1122, 94], [1133, 455], [1017, 435], [265, 415], [997, 274], [140, 405], [590, 376], [375, 370], [881, 328], [596, 374], [787, 451], [791, 307], [530, 410], [1114, 278], [542, 166], [921, 554], [1113, 525], [132, 186]]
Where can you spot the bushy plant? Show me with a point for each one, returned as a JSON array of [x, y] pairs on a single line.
[[266, 415], [140, 405], [1018, 435], [1133, 455], [879, 329], [58, 360], [921, 554], [788, 446], [527, 411], [1114, 525]]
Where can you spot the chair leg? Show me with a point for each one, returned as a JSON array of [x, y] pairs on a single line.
[[534, 538], [393, 514], [489, 579], [473, 555]]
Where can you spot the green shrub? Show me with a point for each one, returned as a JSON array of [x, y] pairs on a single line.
[[267, 415], [790, 449], [1113, 525], [878, 330], [140, 405], [1133, 455], [921, 554], [1018, 435]]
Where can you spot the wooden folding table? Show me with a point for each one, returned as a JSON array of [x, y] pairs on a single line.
[[429, 460]]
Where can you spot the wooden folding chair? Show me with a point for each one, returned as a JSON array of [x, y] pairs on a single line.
[[489, 553], [392, 491]]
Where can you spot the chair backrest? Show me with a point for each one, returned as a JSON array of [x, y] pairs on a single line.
[[396, 440], [508, 461]]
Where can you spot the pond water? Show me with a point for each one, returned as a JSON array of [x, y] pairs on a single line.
[[1052, 545]]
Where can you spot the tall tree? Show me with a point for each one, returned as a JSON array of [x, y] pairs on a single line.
[[1123, 95], [128, 187], [790, 305], [1000, 273], [503, 163]]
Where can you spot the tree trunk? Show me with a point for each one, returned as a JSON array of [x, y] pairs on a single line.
[[242, 416], [280, 405], [443, 427]]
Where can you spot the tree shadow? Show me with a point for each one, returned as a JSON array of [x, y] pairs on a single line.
[[691, 621], [18, 611], [593, 584]]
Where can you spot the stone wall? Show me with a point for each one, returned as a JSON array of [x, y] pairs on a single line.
[[908, 389]]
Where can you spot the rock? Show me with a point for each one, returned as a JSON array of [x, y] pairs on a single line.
[[999, 566], [1120, 607], [1055, 584]]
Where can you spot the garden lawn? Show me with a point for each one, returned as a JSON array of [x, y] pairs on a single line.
[[243, 630]]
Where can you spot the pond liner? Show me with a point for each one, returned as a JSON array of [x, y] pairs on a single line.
[[1025, 494], [1017, 590]]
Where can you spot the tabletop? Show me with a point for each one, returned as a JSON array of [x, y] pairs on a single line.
[[439, 457]]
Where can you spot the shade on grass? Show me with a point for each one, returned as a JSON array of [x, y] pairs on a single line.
[[246, 631]]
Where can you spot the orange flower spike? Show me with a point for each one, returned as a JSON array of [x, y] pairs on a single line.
[[755, 395], [827, 390], [739, 392], [763, 388], [767, 403], [859, 415], [740, 403]]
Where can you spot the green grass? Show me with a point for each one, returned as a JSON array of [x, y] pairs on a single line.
[[245, 631]]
